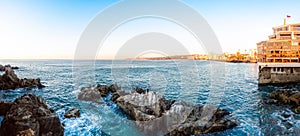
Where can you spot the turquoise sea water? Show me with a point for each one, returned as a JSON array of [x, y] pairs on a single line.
[[227, 85]]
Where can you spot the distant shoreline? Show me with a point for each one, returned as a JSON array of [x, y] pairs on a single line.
[[72, 60]]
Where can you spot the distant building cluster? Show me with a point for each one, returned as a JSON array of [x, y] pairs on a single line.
[[246, 57], [178, 57], [282, 47]]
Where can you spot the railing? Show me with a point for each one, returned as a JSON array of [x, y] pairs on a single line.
[[285, 37]]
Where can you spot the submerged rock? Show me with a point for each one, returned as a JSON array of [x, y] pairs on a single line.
[[73, 113], [29, 115], [155, 115], [287, 97], [296, 109], [9, 80]]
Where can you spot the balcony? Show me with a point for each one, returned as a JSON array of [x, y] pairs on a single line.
[[285, 37]]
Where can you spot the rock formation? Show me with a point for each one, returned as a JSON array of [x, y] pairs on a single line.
[[29, 115], [2, 68], [155, 115], [4, 107], [73, 113], [9, 80], [287, 97], [95, 93]]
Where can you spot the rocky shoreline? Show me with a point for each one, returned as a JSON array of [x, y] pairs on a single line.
[[155, 115], [286, 97], [9, 80], [29, 115], [152, 113]]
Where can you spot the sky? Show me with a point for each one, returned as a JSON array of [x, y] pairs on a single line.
[[51, 29]]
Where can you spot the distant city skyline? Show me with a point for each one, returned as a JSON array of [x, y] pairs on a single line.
[[50, 29]]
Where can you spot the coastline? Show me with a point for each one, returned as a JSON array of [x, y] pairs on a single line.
[[59, 93]]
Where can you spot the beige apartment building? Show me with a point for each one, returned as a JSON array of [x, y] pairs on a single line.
[[282, 47]]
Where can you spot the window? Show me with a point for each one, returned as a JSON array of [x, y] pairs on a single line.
[[292, 70], [282, 69]]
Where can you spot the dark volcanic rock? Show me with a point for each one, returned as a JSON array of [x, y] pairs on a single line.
[[73, 113], [155, 115], [102, 89], [96, 93], [287, 97], [139, 91], [117, 94], [113, 88], [9, 80], [29, 115], [296, 109], [2, 68], [4, 107], [90, 94]]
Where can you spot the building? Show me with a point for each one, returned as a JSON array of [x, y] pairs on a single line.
[[279, 57], [282, 46]]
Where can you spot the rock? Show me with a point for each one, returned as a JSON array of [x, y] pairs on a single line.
[[286, 115], [281, 95], [139, 91], [96, 93], [287, 97], [29, 115], [28, 132], [296, 109], [15, 67], [73, 113], [155, 115], [2, 68], [295, 98], [166, 104], [272, 101], [117, 94], [114, 97], [103, 89], [9, 80], [134, 104], [113, 88], [4, 107], [90, 94]]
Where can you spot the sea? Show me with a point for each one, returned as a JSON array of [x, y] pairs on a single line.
[[231, 86]]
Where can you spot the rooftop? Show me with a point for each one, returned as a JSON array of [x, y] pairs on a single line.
[[294, 24], [279, 64]]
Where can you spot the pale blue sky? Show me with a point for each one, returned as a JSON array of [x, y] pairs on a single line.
[[33, 29]]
